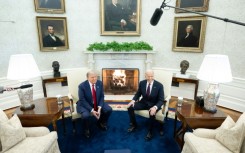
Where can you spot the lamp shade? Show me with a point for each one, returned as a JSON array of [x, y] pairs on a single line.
[[215, 69], [22, 67]]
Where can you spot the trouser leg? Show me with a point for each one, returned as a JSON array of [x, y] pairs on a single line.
[[131, 115]]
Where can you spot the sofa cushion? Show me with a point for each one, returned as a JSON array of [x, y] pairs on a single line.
[[3, 118], [195, 144], [41, 144], [232, 136], [11, 132], [228, 123]]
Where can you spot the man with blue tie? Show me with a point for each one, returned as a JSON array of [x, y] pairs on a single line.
[[91, 102], [152, 99]]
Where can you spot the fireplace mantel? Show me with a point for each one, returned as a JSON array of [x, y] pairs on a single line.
[[146, 56]]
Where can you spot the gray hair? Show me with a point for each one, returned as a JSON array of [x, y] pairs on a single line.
[[149, 71], [190, 26], [91, 72]]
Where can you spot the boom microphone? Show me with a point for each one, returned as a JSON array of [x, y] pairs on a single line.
[[24, 86], [156, 16]]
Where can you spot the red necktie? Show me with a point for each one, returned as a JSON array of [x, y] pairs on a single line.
[[148, 90], [94, 98]]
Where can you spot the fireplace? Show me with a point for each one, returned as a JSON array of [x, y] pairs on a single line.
[[120, 81]]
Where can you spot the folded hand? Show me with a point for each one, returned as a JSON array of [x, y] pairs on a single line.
[[153, 111], [131, 103]]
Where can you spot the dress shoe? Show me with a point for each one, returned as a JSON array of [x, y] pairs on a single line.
[[87, 133], [132, 128], [102, 126], [149, 136]]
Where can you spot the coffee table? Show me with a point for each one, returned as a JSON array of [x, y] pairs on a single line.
[[46, 111], [192, 117]]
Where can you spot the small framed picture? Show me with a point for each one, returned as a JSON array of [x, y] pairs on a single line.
[[192, 5], [52, 33], [50, 6], [120, 17], [189, 34]]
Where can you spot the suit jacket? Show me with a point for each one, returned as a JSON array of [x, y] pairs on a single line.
[[49, 42], [156, 96], [190, 41], [85, 102]]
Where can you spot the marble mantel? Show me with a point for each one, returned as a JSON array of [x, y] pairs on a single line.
[[138, 59]]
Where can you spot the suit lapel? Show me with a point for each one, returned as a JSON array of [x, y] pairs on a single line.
[[153, 87]]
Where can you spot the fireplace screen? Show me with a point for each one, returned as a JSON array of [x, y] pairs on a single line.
[[120, 81]]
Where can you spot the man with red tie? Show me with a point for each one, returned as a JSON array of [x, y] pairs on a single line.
[[152, 99], [91, 102]]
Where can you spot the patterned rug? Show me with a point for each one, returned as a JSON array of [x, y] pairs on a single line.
[[122, 106]]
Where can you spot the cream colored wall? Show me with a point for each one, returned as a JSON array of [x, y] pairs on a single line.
[[83, 23]]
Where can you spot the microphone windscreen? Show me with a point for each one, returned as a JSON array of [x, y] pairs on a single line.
[[156, 16], [26, 86]]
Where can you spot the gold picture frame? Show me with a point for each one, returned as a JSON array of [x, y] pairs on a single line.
[[120, 20], [52, 33], [50, 6], [192, 5], [195, 26]]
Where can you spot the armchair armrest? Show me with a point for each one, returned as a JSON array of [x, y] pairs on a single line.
[[71, 102], [205, 133], [165, 105], [36, 131]]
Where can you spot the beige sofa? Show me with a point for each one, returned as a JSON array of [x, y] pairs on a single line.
[[16, 139], [228, 138]]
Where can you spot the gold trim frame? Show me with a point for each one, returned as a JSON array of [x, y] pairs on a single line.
[[50, 6], [194, 42], [59, 26], [123, 20], [192, 5]]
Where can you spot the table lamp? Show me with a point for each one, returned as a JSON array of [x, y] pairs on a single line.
[[215, 69], [22, 67]]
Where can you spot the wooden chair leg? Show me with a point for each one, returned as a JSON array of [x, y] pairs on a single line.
[[74, 126]]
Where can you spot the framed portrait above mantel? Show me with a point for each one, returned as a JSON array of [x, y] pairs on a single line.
[[189, 34], [120, 17], [50, 6], [192, 5], [52, 33]]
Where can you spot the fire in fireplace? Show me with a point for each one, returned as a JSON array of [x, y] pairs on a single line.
[[120, 81]]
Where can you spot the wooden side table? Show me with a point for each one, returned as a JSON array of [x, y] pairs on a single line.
[[192, 117], [49, 79], [191, 79], [46, 111]]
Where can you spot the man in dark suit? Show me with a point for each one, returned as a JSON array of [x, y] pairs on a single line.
[[91, 102], [118, 18], [51, 40], [152, 99]]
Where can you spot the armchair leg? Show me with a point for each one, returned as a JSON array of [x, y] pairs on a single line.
[[166, 118], [161, 131], [74, 126]]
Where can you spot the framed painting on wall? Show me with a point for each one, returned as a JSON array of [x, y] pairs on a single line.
[[192, 5], [52, 33], [189, 34], [50, 6], [120, 17]]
